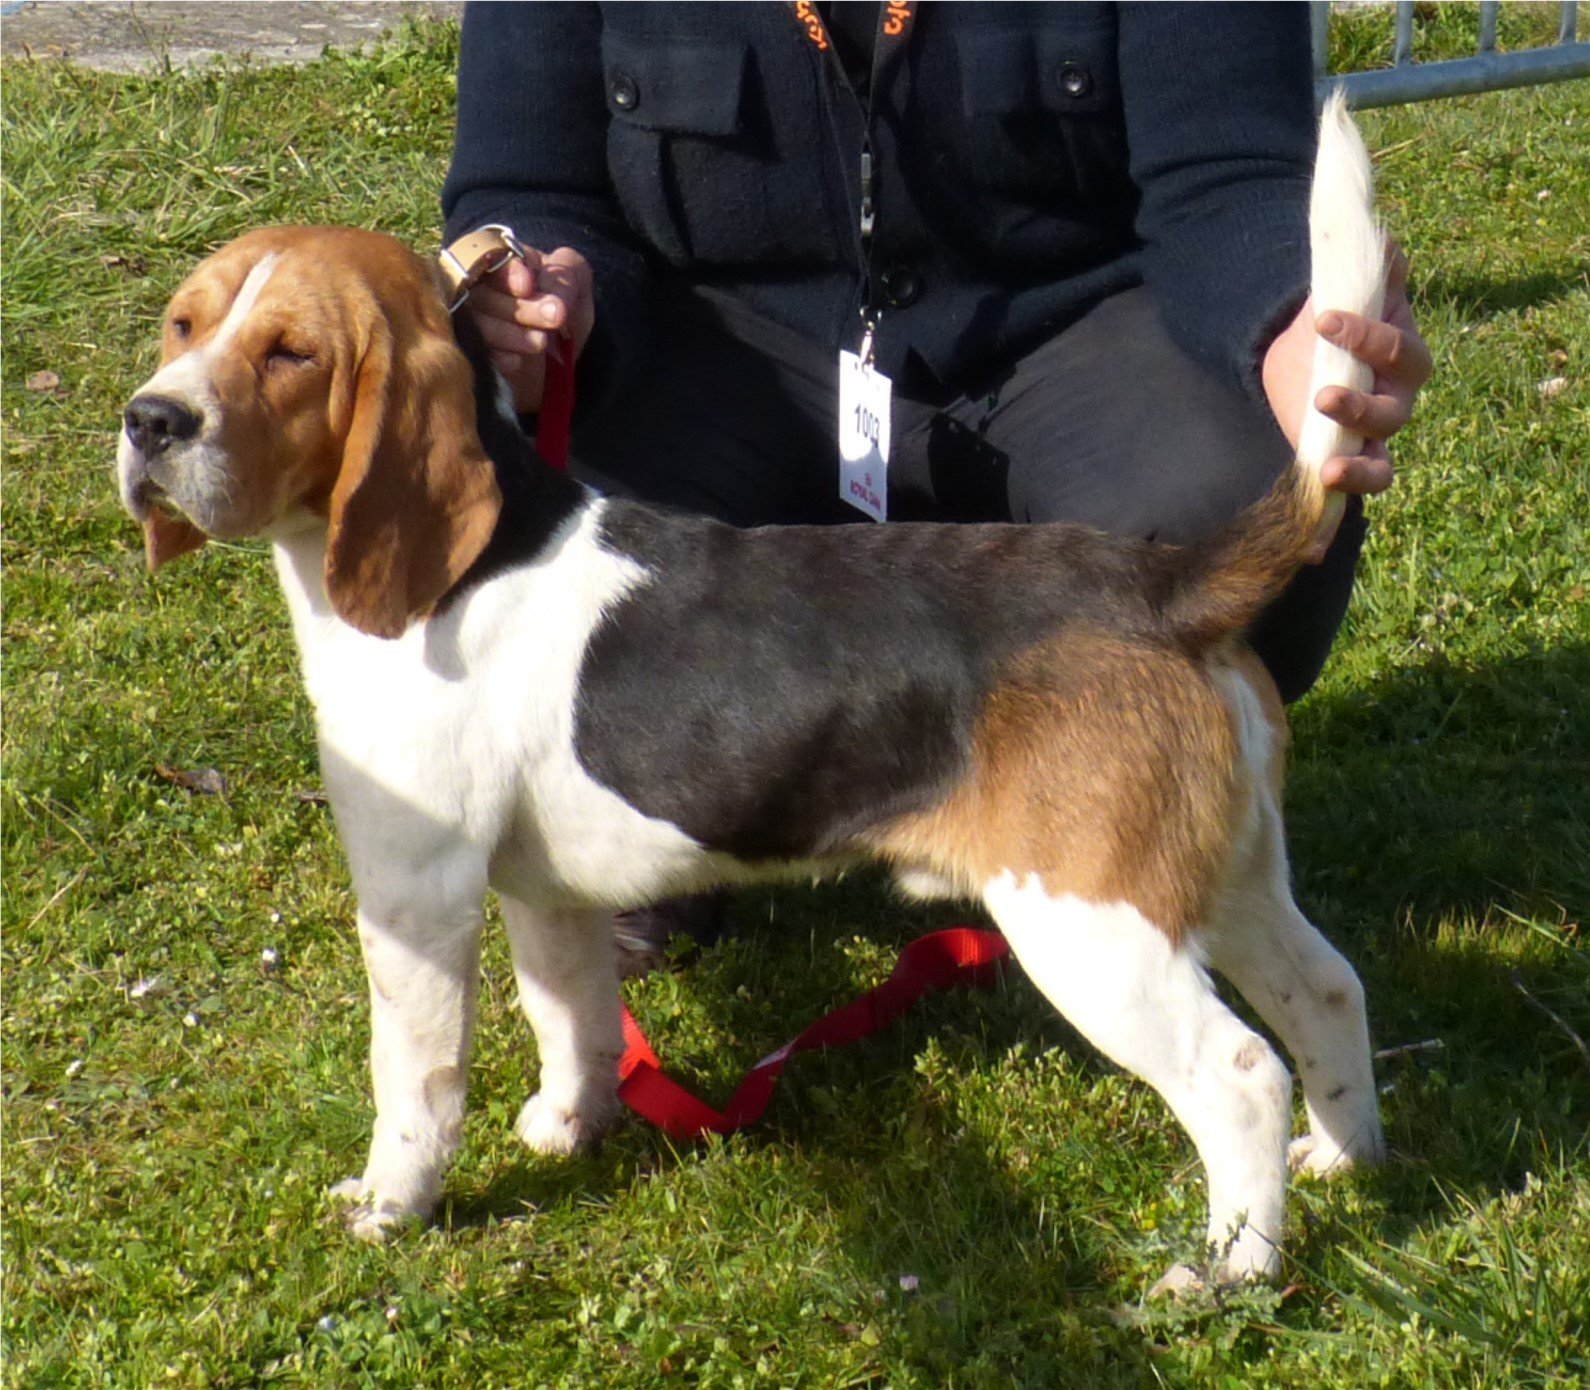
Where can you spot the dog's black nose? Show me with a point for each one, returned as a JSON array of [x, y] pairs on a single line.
[[154, 422]]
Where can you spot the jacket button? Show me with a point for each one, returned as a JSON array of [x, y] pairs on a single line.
[[901, 285], [1074, 79], [623, 92]]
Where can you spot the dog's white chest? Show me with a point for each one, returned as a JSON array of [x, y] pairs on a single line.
[[458, 737]]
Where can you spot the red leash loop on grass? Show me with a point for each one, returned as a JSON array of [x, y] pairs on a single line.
[[557, 405], [957, 955]]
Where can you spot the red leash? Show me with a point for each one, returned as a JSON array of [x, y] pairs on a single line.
[[958, 955], [937, 961], [557, 404]]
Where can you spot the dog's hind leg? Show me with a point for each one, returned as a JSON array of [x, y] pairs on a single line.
[[1308, 993], [423, 968], [1258, 939], [1149, 1006], [568, 988]]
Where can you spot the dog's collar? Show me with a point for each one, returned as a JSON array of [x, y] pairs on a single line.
[[470, 259], [464, 264]]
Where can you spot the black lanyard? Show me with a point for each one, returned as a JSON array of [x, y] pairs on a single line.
[[894, 29]]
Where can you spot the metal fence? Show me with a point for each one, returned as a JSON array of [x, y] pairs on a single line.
[[1487, 71]]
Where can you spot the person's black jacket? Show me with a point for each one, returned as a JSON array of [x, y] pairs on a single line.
[[1031, 159]]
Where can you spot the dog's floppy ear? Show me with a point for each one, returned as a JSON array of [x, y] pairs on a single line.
[[416, 499]]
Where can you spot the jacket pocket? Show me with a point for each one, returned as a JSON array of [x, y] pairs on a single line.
[[1066, 72], [1042, 111], [694, 157], [688, 87]]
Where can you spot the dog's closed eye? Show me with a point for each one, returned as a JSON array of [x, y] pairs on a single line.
[[284, 354]]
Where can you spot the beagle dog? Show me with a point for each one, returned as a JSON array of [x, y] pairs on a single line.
[[587, 704]]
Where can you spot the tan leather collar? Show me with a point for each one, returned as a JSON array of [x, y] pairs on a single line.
[[471, 258]]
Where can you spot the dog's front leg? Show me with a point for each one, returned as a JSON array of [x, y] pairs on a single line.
[[423, 968], [568, 988]]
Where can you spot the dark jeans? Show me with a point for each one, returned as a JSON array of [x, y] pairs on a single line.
[[1108, 423]]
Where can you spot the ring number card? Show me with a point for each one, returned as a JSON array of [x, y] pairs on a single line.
[[864, 394]]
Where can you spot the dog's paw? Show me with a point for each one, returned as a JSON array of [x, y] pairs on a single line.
[[366, 1217], [1179, 1281], [1184, 1282], [1320, 1157], [1307, 1155], [551, 1129]]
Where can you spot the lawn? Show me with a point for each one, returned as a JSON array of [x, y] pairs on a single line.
[[973, 1199]]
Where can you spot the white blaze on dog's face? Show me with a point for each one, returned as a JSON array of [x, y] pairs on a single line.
[[313, 372], [239, 422]]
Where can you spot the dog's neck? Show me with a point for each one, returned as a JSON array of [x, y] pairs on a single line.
[[536, 499]]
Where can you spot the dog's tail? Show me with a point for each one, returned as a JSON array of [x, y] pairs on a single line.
[[1230, 579]]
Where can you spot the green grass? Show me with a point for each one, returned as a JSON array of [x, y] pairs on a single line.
[[174, 1107], [1363, 37]]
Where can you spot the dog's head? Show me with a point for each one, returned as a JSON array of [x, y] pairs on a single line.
[[310, 376]]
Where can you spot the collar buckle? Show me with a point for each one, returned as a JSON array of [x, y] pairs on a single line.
[[472, 258]]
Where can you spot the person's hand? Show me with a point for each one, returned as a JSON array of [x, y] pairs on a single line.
[[1392, 347], [528, 304]]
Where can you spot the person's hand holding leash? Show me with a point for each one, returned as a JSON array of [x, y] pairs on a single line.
[[525, 305], [1401, 361]]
